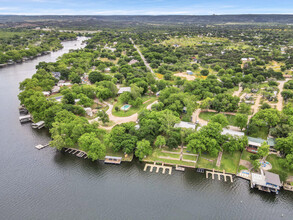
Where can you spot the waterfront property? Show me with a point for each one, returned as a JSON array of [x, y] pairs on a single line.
[[266, 181], [254, 143]]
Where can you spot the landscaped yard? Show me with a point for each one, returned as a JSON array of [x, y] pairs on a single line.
[[132, 109], [158, 152], [277, 168], [246, 156], [189, 157], [208, 115], [229, 162], [110, 152]]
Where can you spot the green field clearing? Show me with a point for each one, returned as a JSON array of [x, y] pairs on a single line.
[[230, 161], [208, 115], [189, 157], [192, 41]]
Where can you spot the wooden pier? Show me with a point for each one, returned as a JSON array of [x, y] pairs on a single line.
[[180, 168], [76, 152], [158, 167], [40, 146], [219, 175]]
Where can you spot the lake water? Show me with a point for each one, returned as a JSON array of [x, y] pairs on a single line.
[[46, 184]]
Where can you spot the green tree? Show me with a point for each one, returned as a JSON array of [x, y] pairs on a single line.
[[104, 117], [143, 149], [160, 141], [263, 150], [241, 121], [89, 143], [221, 119]]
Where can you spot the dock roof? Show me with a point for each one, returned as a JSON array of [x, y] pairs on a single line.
[[272, 178], [184, 124]]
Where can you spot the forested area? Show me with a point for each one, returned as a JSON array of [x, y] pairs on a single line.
[[17, 45]]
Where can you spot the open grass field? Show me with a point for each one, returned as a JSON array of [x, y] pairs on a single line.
[[132, 110], [189, 157], [8, 34], [157, 153], [229, 162], [208, 115], [193, 41]]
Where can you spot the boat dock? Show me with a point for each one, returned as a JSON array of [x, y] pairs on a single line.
[[112, 160], [40, 146], [219, 175], [180, 168], [38, 125], [25, 118], [158, 167], [22, 110], [76, 152]]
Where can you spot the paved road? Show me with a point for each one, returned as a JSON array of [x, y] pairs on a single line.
[[142, 57]]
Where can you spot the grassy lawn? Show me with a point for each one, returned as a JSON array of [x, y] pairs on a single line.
[[178, 150], [110, 152], [277, 168], [189, 157], [261, 132], [208, 115], [246, 156], [132, 110], [203, 163], [230, 161], [158, 152]]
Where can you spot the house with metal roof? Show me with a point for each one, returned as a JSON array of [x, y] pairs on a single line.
[[124, 89], [266, 181], [231, 132], [254, 143], [184, 124]]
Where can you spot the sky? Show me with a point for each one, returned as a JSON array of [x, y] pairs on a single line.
[[144, 7]]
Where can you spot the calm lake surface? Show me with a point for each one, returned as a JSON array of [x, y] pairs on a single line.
[[46, 184]]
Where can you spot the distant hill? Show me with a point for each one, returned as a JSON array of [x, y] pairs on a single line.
[[128, 20]]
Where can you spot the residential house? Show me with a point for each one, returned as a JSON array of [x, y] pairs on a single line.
[[124, 89], [184, 124]]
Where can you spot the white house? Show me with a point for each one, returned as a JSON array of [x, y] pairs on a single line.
[[124, 89]]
